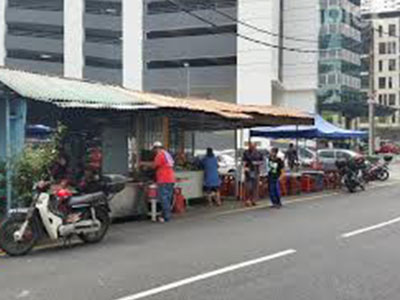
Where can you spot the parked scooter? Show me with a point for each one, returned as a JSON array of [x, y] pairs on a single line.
[[87, 217], [378, 171], [351, 173]]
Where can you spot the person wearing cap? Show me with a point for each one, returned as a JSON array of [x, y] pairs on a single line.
[[165, 178]]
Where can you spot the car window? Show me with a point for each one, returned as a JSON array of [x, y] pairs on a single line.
[[326, 154], [305, 153], [343, 155]]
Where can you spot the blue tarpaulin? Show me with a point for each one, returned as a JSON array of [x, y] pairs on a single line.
[[321, 129]]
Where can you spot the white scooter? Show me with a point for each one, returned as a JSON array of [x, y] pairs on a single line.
[[22, 230]]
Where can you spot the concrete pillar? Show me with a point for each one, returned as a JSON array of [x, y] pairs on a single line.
[[74, 36], [257, 64], [3, 30], [132, 27]]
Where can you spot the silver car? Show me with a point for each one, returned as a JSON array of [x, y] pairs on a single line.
[[328, 157]]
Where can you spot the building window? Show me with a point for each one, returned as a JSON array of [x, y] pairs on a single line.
[[392, 99], [385, 99], [392, 30], [35, 55], [35, 30], [103, 62], [103, 36], [380, 30], [391, 48], [103, 8], [197, 62], [392, 65], [382, 48], [390, 82], [380, 99], [382, 82], [43, 5], [191, 32], [332, 79], [162, 7], [380, 66]]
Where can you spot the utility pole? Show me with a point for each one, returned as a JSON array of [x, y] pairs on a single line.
[[371, 100]]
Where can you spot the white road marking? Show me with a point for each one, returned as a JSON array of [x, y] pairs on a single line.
[[370, 228], [207, 275]]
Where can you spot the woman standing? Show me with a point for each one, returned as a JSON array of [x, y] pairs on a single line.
[[211, 177]]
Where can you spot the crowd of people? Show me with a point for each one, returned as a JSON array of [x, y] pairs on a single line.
[[253, 162]]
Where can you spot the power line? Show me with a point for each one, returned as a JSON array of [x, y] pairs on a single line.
[[261, 29], [253, 40]]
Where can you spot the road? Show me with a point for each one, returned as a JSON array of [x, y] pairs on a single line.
[[341, 246]]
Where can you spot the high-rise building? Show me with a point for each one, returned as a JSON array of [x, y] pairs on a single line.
[[386, 65], [377, 6], [340, 64], [248, 51]]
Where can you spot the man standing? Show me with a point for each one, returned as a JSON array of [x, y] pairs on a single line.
[[275, 166], [165, 179], [252, 160]]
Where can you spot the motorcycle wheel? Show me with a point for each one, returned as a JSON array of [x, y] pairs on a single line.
[[95, 237], [7, 242], [350, 187], [383, 175]]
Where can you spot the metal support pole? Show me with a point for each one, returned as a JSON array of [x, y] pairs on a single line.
[[371, 115], [371, 102], [236, 165], [8, 155]]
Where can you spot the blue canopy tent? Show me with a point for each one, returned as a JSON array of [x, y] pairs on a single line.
[[38, 131], [321, 129]]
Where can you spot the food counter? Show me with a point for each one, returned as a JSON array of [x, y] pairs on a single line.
[[132, 202], [191, 183]]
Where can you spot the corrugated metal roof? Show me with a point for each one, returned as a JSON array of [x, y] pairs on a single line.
[[71, 93], [68, 92]]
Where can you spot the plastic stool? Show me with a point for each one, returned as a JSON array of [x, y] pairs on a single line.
[[152, 196]]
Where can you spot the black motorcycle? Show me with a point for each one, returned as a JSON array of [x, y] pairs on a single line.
[[351, 173]]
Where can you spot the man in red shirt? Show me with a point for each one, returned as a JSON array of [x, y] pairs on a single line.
[[165, 179]]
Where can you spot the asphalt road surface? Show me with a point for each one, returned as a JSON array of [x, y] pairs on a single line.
[[342, 246]]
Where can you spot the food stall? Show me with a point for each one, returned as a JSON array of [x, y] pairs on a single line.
[[125, 124]]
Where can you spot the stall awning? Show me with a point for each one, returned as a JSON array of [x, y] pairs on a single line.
[[70, 93], [320, 129]]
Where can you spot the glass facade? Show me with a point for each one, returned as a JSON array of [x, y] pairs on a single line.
[[340, 52]]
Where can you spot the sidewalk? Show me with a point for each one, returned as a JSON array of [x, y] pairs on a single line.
[[232, 206]]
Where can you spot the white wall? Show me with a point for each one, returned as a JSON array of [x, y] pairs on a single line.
[[300, 70], [132, 49], [256, 63], [304, 100], [74, 35], [3, 6]]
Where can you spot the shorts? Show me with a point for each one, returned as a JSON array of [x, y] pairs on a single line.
[[211, 189]]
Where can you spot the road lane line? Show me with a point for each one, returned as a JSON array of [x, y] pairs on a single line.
[[190, 280], [370, 228]]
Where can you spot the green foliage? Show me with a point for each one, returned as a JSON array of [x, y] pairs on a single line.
[[35, 163]]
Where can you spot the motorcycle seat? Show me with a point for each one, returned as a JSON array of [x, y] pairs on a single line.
[[87, 199]]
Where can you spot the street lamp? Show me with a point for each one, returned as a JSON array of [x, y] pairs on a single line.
[[186, 65]]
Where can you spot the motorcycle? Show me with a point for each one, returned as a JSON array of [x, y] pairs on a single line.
[[87, 217], [379, 171], [351, 174]]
